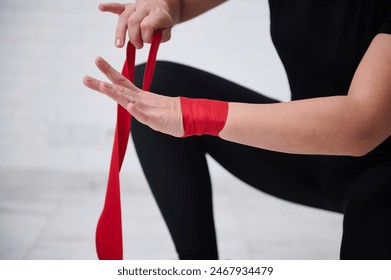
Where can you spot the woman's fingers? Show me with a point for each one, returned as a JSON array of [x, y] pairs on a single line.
[[115, 8], [159, 112], [147, 28], [140, 20], [134, 32], [92, 83], [124, 11], [121, 95], [122, 26], [113, 75], [148, 25]]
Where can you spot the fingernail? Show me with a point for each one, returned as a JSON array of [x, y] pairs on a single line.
[[118, 42]]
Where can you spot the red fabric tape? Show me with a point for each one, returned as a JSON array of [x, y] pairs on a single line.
[[203, 116], [108, 236]]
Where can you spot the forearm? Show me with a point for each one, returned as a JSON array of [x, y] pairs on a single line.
[[339, 125], [183, 10], [329, 125]]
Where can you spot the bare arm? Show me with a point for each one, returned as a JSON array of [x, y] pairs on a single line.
[[339, 125], [142, 18], [192, 8]]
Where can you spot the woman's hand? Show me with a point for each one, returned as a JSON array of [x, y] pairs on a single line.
[[141, 19], [161, 113]]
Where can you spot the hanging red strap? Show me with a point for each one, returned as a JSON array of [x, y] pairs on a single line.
[[109, 228]]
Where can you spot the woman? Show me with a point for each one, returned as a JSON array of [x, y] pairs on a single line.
[[329, 148]]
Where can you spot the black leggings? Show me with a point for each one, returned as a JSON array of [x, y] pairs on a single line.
[[177, 172]]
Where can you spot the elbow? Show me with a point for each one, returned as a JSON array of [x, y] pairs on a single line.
[[360, 146], [362, 134], [358, 150]]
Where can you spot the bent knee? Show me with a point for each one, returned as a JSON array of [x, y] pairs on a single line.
[[171, 79]]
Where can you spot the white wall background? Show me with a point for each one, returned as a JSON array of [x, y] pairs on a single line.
[[49, 120]]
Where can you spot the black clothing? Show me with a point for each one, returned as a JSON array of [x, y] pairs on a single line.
[[320, 43]]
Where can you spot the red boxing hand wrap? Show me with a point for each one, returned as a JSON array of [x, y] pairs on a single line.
[[109, 228], [203, 116]]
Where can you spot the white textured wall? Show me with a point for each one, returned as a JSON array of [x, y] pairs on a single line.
[[48, 120]]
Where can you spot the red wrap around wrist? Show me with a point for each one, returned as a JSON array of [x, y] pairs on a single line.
[[203, 116]]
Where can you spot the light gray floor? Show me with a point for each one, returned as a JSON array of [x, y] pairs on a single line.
[[52, 215], [56, 136]]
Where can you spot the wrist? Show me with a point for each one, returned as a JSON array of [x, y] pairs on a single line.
[[203, 116], [175, 10]]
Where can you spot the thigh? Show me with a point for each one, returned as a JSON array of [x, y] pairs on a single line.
[[173, 79], [290, 177], [287, 176], [178, 176], [367, 220]]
